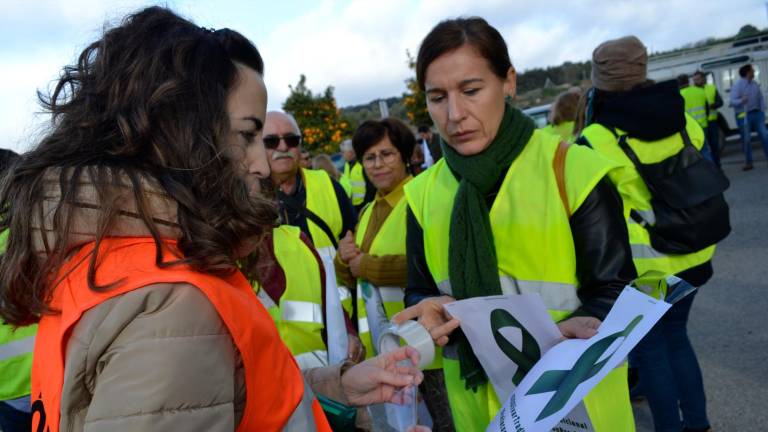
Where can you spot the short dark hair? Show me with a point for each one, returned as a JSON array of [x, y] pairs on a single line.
[[452, 34], [371, 132], [699, 73], [744, 70], [682, 80], [424, 128]]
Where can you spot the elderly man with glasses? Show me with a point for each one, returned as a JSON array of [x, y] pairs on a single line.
[[318, 205]]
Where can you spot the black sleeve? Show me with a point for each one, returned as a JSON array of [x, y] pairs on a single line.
[[348, 214], [420, 283], [718, 100], [603, 255]]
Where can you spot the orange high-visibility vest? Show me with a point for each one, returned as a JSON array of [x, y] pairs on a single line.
[[274, 385]]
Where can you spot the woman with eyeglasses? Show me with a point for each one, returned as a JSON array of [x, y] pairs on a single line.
[[373, 258], [500, 215], [127, 224]]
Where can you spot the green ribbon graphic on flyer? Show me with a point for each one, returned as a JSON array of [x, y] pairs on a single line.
[[524, 359], [564, 382]]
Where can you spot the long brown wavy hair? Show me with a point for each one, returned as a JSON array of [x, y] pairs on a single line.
[[146, 101]]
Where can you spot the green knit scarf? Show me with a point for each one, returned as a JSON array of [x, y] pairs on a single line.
[[473, 268]]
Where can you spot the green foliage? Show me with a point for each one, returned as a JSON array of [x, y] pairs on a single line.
[[321, 123], [357, 114], [567, 73], [747, 30]]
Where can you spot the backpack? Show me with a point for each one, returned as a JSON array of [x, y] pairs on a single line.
[[687, 200]]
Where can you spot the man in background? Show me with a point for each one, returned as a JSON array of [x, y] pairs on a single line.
[[430, 146], [714, 101], [749, 106]]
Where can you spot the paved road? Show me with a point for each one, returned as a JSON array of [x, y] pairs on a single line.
[[727, 324]]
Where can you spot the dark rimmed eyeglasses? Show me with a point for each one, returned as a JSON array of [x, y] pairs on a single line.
[[273, 141]]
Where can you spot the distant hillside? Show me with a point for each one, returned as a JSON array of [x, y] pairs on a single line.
[[537, 86], [357, 114]]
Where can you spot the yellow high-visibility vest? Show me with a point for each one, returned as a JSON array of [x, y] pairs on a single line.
[[16, 349], [321, 200], [298, 315], [695, 104], [535, 253], [357, 181], [710, 91]]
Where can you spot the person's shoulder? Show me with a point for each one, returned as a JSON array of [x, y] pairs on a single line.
[[154, 311]]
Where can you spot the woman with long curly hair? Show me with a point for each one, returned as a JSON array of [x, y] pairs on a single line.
[[127, 225]]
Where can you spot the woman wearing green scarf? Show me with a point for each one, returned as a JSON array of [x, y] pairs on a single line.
[[493, 217]]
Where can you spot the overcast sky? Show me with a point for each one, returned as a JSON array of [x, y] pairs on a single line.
[[356, 46]]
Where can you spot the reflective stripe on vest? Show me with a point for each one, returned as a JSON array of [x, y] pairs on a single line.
[[362, 326], [635, 194], [312, 359], [302, 311], [392, 294], [346, 185], [556, 296], [17, 348], [298, 315], [275, 389], [645, 251]]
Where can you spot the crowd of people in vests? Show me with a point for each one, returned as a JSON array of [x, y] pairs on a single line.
[[174, 260]]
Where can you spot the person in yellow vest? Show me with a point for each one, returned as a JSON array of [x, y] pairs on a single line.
[[653, 117], [374, 257], [318, 205], [696, 106], [292, 289], [16, 347], [494, 216], [306, 159], [563, 115], [124, 225], [714, 102], [361, 192], [325, 163]]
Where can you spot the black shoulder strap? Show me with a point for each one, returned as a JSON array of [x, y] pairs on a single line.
[[309, 214], [629, 152], [686, 138], [583, 141], [636, 162]]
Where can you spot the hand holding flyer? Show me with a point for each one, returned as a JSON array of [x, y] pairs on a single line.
[[555, 385]]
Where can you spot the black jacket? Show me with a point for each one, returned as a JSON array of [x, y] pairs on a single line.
[[649, 113], [290, 216]]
